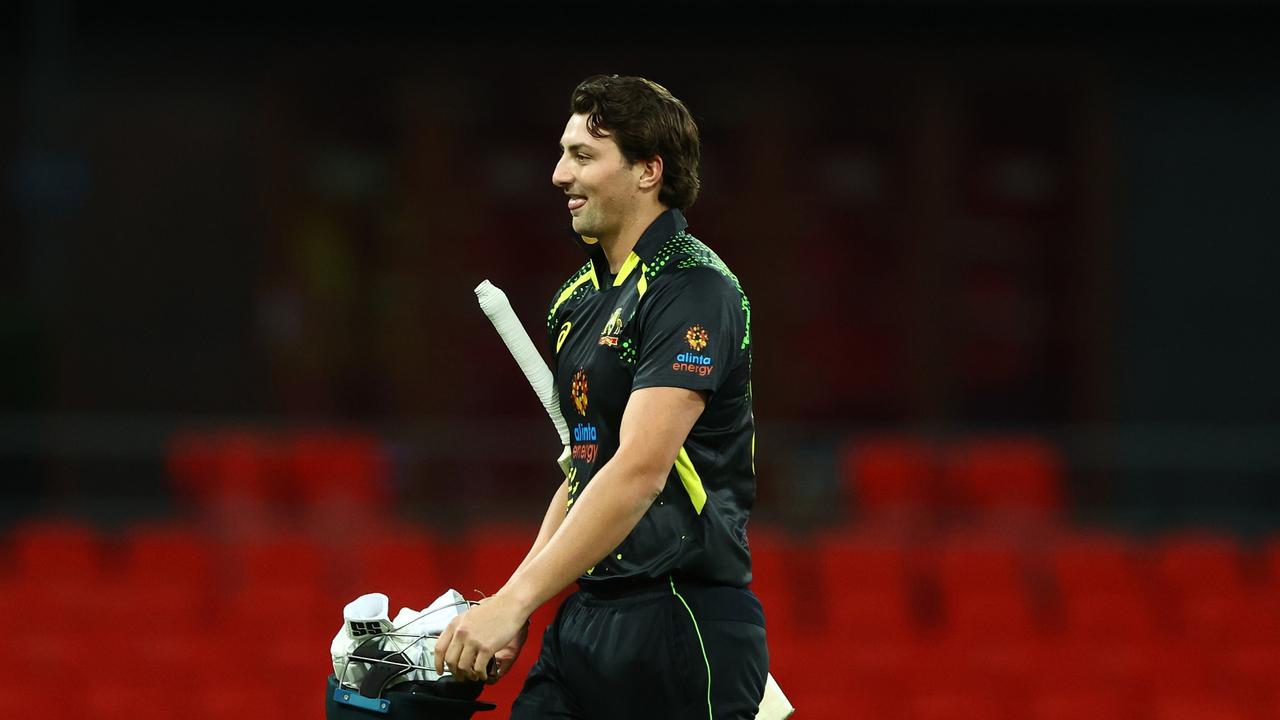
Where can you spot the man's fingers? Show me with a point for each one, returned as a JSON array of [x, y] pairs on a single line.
[[481, 667], [465, 666], [442, 646]]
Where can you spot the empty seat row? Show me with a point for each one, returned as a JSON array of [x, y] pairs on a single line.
[[904, 626], [909, 474], [295, 468], [865, 587], [177, 559], [855, 582], [200, 676]]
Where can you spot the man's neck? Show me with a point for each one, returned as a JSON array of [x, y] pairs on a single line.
[[618, 248]]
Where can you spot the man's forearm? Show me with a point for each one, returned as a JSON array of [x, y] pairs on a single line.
[[606, 512], [550, 523]]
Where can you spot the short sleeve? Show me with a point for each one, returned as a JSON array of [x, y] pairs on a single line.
[[690, 331]]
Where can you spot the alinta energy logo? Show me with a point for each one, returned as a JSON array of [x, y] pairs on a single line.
[[585, 436], [695, 362]]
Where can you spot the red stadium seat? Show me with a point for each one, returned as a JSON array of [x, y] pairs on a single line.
[[214, 698], [492, 552], [986, 563], [146, 604], [1199, 564], [408, 565], [1252, 669], [288, 558], [25, 696], [1230, 618], [57, 550], [257, 614], [889, 474], [830, 698], [1103, 590], [68, 649], [1175, 667], [773, 560], [13, 598], [1076, 705], [983, 589], [172, 554], [326, 466], [176, 657], [952, 705], [1070, 667], [1096, 563], [1122, 665], [58, 569], [133, 697], [1197, 707], [1137, 669], [224, 466], [1007, 475], [1004, 668], [865, 589], [1115, 616], [982, 617]]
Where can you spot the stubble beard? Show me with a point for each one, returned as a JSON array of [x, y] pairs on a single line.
[[587, 225]]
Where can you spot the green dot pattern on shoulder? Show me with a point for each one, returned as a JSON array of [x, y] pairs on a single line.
[[689, 252]]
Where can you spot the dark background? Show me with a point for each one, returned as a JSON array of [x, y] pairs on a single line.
[[1012, 279], [949, 218]]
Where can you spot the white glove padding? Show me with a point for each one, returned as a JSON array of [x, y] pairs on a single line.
[[366, 629]]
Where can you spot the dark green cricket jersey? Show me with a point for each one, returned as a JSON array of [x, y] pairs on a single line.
[[674, 316]]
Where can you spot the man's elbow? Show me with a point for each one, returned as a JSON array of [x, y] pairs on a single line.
[[647, 474], [651, 481], [653, 487]]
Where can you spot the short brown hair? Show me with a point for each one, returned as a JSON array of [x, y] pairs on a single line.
[[645, 120]]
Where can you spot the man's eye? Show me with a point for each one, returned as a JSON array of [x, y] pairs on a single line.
[[582, 158]]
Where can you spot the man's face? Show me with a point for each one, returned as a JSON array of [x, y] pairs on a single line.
[[602, 187]]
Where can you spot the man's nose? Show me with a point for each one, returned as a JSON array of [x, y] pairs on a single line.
[[561, 177]]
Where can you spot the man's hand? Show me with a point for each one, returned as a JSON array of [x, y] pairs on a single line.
[[493, 629], [506, 657]]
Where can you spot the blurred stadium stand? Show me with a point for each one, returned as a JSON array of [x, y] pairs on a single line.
[[974, 598]]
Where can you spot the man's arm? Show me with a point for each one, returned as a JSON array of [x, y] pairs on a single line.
[[550, 523], [655, 424], [506, 657]]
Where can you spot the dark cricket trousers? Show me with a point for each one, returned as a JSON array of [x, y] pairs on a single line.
[[670, 649]]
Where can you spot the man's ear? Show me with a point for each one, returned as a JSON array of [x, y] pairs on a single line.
[[651, 173]]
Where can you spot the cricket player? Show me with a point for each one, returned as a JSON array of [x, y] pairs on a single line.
[[651, 346]]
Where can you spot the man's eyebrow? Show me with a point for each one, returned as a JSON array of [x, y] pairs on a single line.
[[575, 147]]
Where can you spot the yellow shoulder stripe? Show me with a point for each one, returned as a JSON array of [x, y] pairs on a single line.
[[689, 478], [590, 275]]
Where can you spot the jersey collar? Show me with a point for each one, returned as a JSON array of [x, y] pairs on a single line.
[[663, 227]]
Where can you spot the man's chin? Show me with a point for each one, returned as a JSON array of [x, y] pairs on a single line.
[[582, 227]]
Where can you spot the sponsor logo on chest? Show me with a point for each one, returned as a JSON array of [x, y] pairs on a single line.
[[586, 439]]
